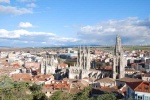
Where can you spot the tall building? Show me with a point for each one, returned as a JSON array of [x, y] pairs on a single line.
[[81, 69], [118, 60], [48, 65]]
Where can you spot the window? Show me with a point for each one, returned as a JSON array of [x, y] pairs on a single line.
[[57, 82], [145, 98], [146, 88], [139, 97]]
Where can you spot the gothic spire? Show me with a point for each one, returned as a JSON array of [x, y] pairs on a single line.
[[118, 47]]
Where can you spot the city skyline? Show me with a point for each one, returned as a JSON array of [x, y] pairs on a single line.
[[31, 23]]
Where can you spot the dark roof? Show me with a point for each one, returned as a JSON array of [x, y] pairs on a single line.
[[125, 79], [103, 90], [133, 85]]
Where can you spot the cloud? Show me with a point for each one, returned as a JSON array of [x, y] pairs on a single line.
[[26, 0], [132, 31], [4, 1], [31, 5], [20, 37], [18, 33], [14, 10], [25, 25]]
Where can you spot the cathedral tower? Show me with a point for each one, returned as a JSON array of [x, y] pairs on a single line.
[[83, 65], [118, 60]]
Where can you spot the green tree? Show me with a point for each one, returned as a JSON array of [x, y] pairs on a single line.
[[56, 96], [39, 96], [84, 94], [20, 90], [131, 98], [36, 88], [6, 82], [67, 96], [106, 97], [10, 90]]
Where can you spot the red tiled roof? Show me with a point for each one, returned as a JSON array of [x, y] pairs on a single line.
[[143, 87], [21, 77], [106, 80], [145, 75], [63, 65], [16, 65]]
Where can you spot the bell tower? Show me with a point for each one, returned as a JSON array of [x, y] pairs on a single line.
[[118, 60]]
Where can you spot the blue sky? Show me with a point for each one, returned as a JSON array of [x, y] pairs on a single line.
[[73, 22]]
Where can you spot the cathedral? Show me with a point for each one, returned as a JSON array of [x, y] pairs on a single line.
[[83, 65], [118, 60], [48, 65], [81, 69]]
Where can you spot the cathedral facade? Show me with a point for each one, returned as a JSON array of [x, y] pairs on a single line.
[[48, 65], [81, 69]]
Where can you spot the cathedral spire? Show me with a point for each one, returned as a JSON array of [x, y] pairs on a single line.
[[88, 58], [118, 60], [80, 57], [118, 48]]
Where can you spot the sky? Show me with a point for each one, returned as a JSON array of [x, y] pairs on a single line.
[[43, 23]]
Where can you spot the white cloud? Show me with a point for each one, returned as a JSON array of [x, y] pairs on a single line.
[[14, 10], [63, 39], [43, 42], [132, 31], [89, 28], [26, 0], [18, 33], [4, 1], [25, 25], [31, 5], [36, 38]]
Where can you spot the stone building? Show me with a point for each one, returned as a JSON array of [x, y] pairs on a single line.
[[81, 69], [48, 65], [118, 60]]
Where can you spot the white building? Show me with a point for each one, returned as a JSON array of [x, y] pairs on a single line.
[[138, 90]]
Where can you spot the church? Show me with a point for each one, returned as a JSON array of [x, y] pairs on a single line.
[[118, 60], [83, 69]]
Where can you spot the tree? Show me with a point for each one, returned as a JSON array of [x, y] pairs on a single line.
[[84, 94], [37, 93], [106, 97], [36, 88], [39, 96], [131, 98], [56, 96], [6, 82], [20, 89]]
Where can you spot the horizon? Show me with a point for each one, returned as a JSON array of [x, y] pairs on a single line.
[[33, 23], [73, 46]]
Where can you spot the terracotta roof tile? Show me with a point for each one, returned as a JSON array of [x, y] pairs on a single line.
[[145, 75], [106, 80], [125, 79], [21, 77], [143, 87]]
